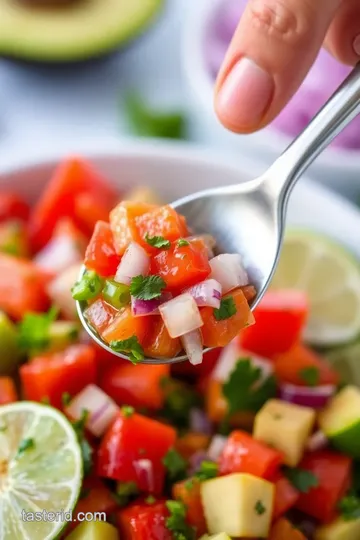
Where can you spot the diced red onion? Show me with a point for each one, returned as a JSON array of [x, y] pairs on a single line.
[[181, 315], [207, 293], [193, 347], [314, 397], [228, 270], [59, 291], [208, 240], [196, 460], [317, 441], [141, 308], [101, 409], [58, 254], [216, 447], [145, 473], [135, 262], [199, 422]]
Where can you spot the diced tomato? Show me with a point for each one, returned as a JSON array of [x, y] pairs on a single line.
[[50, 376], [138, 386], [286, 496], [192, 442], [217, 409], [143, 521], [125, 325], [181, 267], [158, 343], [289, 366], [8, 392], [22, 287], [123, 223], [333, 473], [219, 333], [129, 441], [13, 207], [89, 210], [244, 454], [284, 530], [249, 292], [161, 221], [71, 179], [188, 492], [100, 254], [100, 315], [202, 371], [280, 318]]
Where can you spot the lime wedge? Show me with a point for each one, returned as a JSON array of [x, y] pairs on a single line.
[[346, 361], [330, 276], [40, 471]]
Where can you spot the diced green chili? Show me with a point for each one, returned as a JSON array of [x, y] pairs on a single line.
[[88, 287], [116, 294]]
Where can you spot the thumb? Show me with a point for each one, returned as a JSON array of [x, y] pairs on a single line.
[[274, 47]]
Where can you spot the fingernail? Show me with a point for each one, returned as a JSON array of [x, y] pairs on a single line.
[[356, 45], [246, 94]]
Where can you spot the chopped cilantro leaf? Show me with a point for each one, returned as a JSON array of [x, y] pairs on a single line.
[[182, 242], [88, 287], [147, 288], [301, 479], [207, 470], [34, 331], [175, 465], [226, 310], [131, 347], [157, 241], [310, 375], [125, 491], [243, 391], [127, 411], [26, 444], [349, 507], [86, 450], [260, 508], [176, 522], [150, 499], [180, 398], [65, 398]]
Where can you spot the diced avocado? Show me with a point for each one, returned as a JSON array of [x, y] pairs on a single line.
[[10, 353], [339, 530], [94, 530], [143, 194], [340, 421], [238, 505], [221, 536], [72, 30], [62, 334], [285, 427]]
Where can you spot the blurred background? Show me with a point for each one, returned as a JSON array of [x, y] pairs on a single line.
[[79, 70]]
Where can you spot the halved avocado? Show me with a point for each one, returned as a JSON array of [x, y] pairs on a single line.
[[71, 31]]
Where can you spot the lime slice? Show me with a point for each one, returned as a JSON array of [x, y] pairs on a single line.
[[330, 276], [40, 470], [346, 361]]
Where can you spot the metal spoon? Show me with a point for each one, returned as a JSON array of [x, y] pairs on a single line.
[[249, 218]]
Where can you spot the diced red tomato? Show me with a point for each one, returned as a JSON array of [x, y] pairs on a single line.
[[189, 493], [71, 179], [142, 521], [217, 409], [100, 254], [249, 292], [130, 440], [333, 473], [284, 530], [89, 210], [161, 221], [280, 318], [123, 224], [244, 454], [138, 386], [13, 207], [192, 442], [125, 325], [181, 267], [286, 496], [8, 392], [100, 315], [158, 343], [219, 333], [22, 287], [289, 366], [50, 376]]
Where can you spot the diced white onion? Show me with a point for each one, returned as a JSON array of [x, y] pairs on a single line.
[[207, 293], [145, 472], [229, 357], [193, 347], [59, 291], [101, 409], [228, 270], [216, 447], [181, 315], [135, 262], [58, 254]]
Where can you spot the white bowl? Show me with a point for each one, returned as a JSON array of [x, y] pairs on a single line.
[[336, 168], [175, 170]]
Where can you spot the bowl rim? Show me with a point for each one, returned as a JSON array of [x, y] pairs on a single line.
[[199, 80]]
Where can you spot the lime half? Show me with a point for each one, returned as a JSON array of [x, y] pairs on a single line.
[[40, 471], [330, 276]]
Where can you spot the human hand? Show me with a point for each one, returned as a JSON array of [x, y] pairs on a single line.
[[273, 48]]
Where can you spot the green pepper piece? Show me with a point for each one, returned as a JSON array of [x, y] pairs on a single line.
[[116, 294], [88, 287]]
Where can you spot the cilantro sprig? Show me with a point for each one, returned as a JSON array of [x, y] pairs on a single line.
[[349, 507], [182, 243], [301, 479], [34, 331], [175, 465], [26, 444], [147, 287], [131, 347], [226, 310], [157, 241], [86, 450], [176, 522], [207, 470], [310, 375]]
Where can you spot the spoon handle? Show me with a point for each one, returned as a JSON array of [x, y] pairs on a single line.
[[335, 115]]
